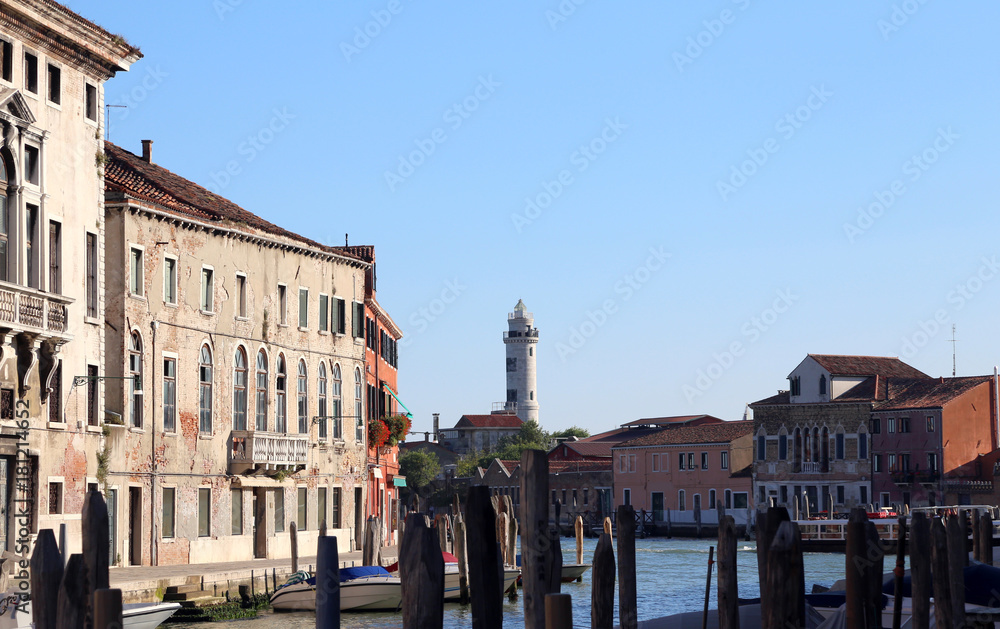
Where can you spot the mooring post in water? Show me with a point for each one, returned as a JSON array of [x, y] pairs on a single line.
[[628, 613], [485, 585], [920, 569], [729, 611], [874, 572], [942, 579], [535, 538], [986, 535], [855, 568], [327, 583], [963, 531], [785, 580], [461, 554], [46, 575], [897, 573], [602, 601], [708, 588], [421, 572], [558, 611], [578, 529], [107, 609], [294, 538], [958, 557], [767, 527]]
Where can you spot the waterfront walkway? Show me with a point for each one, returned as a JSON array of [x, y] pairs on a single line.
[[147, 583]]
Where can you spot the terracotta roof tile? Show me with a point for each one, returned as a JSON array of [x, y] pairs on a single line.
[[707, 433], [670, 421], [866, 366], [926, 392], [589, 448], [490, 421]]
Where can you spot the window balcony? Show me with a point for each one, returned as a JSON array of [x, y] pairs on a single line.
[[249, 449], [811, 467], [30, 310], [903, 477]]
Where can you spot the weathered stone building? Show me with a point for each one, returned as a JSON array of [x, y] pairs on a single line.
[[813, 440], [53, 65], [241, 356]]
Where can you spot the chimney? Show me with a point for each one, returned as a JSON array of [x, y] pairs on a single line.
[[147, 151], [437, 418]]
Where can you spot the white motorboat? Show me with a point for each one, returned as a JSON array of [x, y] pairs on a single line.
[[364, 588], [452, 590], [573, 571], [134, 615]]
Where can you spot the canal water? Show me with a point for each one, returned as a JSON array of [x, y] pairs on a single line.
[[670, 579]]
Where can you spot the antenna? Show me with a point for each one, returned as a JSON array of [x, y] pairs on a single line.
[[107, 112], [954, 344]]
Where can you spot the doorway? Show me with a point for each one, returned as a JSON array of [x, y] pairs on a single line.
[[135, 526], [259, 523], [657, 506], [359, 518], [112, 500]]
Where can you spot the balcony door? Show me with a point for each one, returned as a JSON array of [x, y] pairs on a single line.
[[259, 523]]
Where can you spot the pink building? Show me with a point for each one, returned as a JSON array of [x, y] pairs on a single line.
[[685, 469]]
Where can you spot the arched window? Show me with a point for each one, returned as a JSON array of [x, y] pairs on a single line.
[[240, 390], [4, 219], [205, 390], [359, 419], [335, 410], [135, 371], [862, 443], [279, 396], [303, 398], [321, 409], [261, 409], [680, 500], [711, 498], [822, 384], [761, 445]]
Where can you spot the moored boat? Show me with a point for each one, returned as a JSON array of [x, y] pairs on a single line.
[[134, 615], [573, 571], [365, 588]]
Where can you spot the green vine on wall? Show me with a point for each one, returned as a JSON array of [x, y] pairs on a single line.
[[103, 457]]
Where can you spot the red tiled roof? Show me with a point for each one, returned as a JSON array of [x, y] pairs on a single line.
[[866, 366], [669, 421], [133, 176], [617, 435], [925, 392], [589, 448], [780, 398], [489, 421], [563, 467], [707, 433]]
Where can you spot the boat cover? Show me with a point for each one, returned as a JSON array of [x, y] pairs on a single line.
[[346, 574], [982, 585]]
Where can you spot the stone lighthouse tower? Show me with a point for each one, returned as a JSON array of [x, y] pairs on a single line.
[[521, 338]]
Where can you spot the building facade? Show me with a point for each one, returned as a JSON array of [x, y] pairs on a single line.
[[53, 67], [235, 358], [480, 432], [520, 341]]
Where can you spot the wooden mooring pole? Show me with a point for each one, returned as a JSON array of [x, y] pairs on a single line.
[[327, 583], [986, 538], [708, 588], [461, 554], [920, 570], [537, 553], [108, 609], [602, 602], [485, 580], [897, 573], [421, 571], [729, 611], [768, 523], [294, 538], [628, 613], [558, 611], [958, 557], [943, 613], [785, 580]]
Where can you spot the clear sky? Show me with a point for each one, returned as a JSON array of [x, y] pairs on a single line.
[[690, 197]]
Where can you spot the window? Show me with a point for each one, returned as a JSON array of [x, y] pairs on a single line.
[[782, 447], [303, 399], [324, 313], [930, 423], [31, 72], [795, 386], [626, 497], [783, 494], [55, 257], [876, 425], [135, 272], [169, 502], [205, 390], [206, 289], [680, 461], [711, 498], [822, 385], [904, 461], [877, 463], [932, 461], [31, 164], [724, 460], [91, 288], [204, 511], [631, 463], [555, 494], [729, 499], [55, 498], [864, 494], [92, 395], [697, 502], [655, 462], [170, 281], [890, 424], [300, 516], [740, 500], [237, 506], [55, 395], [704, 460], [135, 371], [241, 296], [279, 510], [261, 409], [761, 441], [839, 445], [321, 507], [55, 84], [5, 223], [338, 424], [370, 334], [681, 506], [884, 499], [586, 496], [335, 505], [862, 445], [279, 404], [282, 304], [892, 462], [90, 102], [240, 390], [169, 394], [904, 424], [358, 320], [6, 60], [31, 245], [359, 434], [303, 307], [691, 461], [321, 409], [340, 316], [840, 494]]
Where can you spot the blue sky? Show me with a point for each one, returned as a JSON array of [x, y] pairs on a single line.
[[716, 189]]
